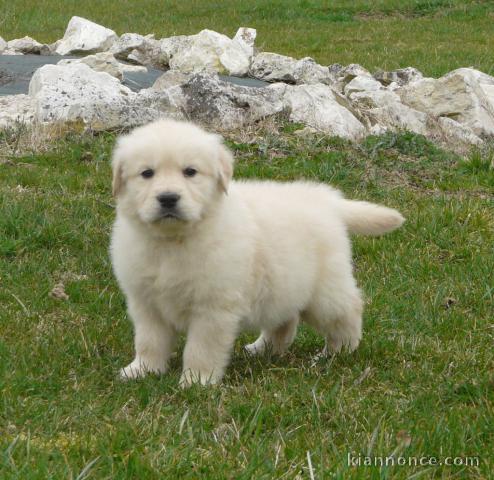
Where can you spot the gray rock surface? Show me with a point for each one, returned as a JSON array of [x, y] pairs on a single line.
[[206, 98]]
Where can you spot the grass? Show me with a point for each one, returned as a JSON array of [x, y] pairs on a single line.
[[435, 36], [421, 384]]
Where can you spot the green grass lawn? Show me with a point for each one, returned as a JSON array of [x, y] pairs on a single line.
[[435, 36], [420, 385]]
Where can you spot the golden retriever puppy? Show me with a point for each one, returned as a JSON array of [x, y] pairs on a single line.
[[196, 252]]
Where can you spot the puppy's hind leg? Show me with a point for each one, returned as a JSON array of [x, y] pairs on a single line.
[[336, 310], [278, 339]]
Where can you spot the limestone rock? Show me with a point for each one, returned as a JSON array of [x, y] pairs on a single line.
[[84, 36], [77, 93], [105, 62], [208, 99], [25, 45], [402, 76], [3, 45], [171, 46], [272, 67], [124, 45], [246, 38], [210, 51], [348, 73], [321, 108], [382, 110], [149, 53], [454, 134], [457, 95], [169, 79], [16, 110], [361, 83]]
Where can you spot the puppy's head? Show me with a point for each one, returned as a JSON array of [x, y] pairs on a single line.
[[169, 173]]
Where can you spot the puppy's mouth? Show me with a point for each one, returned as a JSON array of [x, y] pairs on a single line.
[[168, 215]]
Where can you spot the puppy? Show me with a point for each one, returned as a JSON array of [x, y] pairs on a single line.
[[196, 252]]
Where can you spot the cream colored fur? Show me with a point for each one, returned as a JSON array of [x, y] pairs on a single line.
[[240, 254]]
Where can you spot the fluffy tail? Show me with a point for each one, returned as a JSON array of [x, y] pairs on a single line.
[[366, 218]]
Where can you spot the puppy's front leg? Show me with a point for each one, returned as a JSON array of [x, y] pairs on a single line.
[[209, 344], [154, 341]]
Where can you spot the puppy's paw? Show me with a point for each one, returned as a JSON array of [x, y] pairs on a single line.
[[138, 369], [337, 344], [255, 348]]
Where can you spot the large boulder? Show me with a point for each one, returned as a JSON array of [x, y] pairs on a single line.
[[457, 95], [321, 108], [84, 36], [26, 45], [3, 45], [272, 67], [16, 110], [77, 93], [208, 51], [105, 62], [206, 98]]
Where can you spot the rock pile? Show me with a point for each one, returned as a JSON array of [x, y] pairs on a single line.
[[346, 101]]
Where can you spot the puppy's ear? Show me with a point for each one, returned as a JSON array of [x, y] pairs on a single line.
[[117, 167], [226, 168]]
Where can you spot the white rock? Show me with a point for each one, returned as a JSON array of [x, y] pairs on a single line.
[[171, 46], [456, 134], [25, 45], [8, 51], [206, 98], [210, 51], [127, 42], [272, 67], [3, 45], [246, 38], [383, 111], [169, 79], [402, 76], [319, 107], [348, 73], [457, 95], [77, 93], [105, 62], [149, 53], [361, 83], [84, 36], [16, 110]]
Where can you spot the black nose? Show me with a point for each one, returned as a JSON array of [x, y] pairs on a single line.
[[168, 200]]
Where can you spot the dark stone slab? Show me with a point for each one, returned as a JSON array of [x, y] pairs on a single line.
[[16, 72]]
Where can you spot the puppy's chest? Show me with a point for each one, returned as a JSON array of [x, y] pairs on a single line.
[[177, 284]]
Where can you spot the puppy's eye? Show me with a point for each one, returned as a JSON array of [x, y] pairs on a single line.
[[148, 173], [189, 172]]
